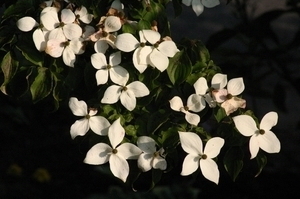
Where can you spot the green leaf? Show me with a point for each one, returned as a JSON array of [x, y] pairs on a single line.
[[233, 161], [21, 8], [177, 7], [219, 113], [9, 67], [31, 54], [156, 176], [156, 120], [128, 28], [179, 68], [42, 85], [144, 24], [261, 160]]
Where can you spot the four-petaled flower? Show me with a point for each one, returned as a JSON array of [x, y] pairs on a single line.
[[192, 144], [198, 5], [194, 103], [118, 74], [261, 137], [116, 154], [126, 94], [150, 158], [98, 124]]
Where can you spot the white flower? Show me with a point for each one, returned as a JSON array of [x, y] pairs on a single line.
[[261, 137], [66, 28], [116, 4], [150, 158], [39, 35], [67, 49], [126, 94], [228, 97], [194, 103], [192, 144], [115, 155], [155, 55], [98, 124], [202, 90], [82, 14], [118, 74], [198, 5]]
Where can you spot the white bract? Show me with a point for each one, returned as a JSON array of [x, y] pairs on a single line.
[[67, 49], [150, 158], [198, 5], [261, 137], [192, 144], [82, 14], [116, 154], [126, 94], [64, 29], [194, 103], [201, 89], [228, 97], [97, 124], [117, 74], [155, 55]]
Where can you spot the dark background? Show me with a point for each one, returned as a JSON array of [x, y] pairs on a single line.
[[259, 42]]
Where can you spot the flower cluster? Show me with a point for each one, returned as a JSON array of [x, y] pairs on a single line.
[[144, 63]]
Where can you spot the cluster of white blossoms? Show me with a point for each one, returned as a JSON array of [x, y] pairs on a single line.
[[217, 94], [64, 32]]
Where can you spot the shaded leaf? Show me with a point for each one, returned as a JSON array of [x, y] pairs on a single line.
[[233, 161], [42, 85], [261, 160]]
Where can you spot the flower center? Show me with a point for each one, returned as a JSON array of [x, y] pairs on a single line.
[[104, 34], [156, 154], [61, 24], [114, 151], [261, 131], [66, 43], [87, 116], [156, 45], [108, 66], [186, 108], [229, 96], [142, 44], [203, 156], [77, 16], [124, 88]]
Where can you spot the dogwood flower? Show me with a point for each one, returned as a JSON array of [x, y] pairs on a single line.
[[118, 74], [192, 144], [198, 5], [82, 14], [194, 103], [155, 55], [97, 124], [67, 49], [150, 158], [64, 29], [126, 94], [116, 154], [201, 89], [261, 137], [228, 97]]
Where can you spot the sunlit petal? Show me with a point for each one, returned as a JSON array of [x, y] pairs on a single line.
[[191, 143], [39, 40], [101, 76], [269, 142], [116, 133], [129, 151], [101, 46], [49, 19], [176, 103], [168, 48], [159, 163], [235, 86], [137, 61], [119, 167], [115, 58], [197, 7], [245, 124], [138, 88], [99, 125], [57, 33], [144, 161], [119, 75], [201, 86], [78, 108], [98, 154], [99, 61], [69, 57], [213, 147], [209, 169], [126, 42], [195, 103], [112, 24], [54, 47], [26, 23], [268, 121], [253, 146], [128, 99], [79, 128], [112, 94], [67, 16], [158, 60], [72, 31], [192, 118], [190, 164], [151, 36], [210, 3], [233, 104], [219, 81]]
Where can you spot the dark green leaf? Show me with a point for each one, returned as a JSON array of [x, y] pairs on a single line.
[[156, 120], [9, 67], [261, 160], [233, 161], [42, 85], [179, 68], [219, 113], [31, 54]]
